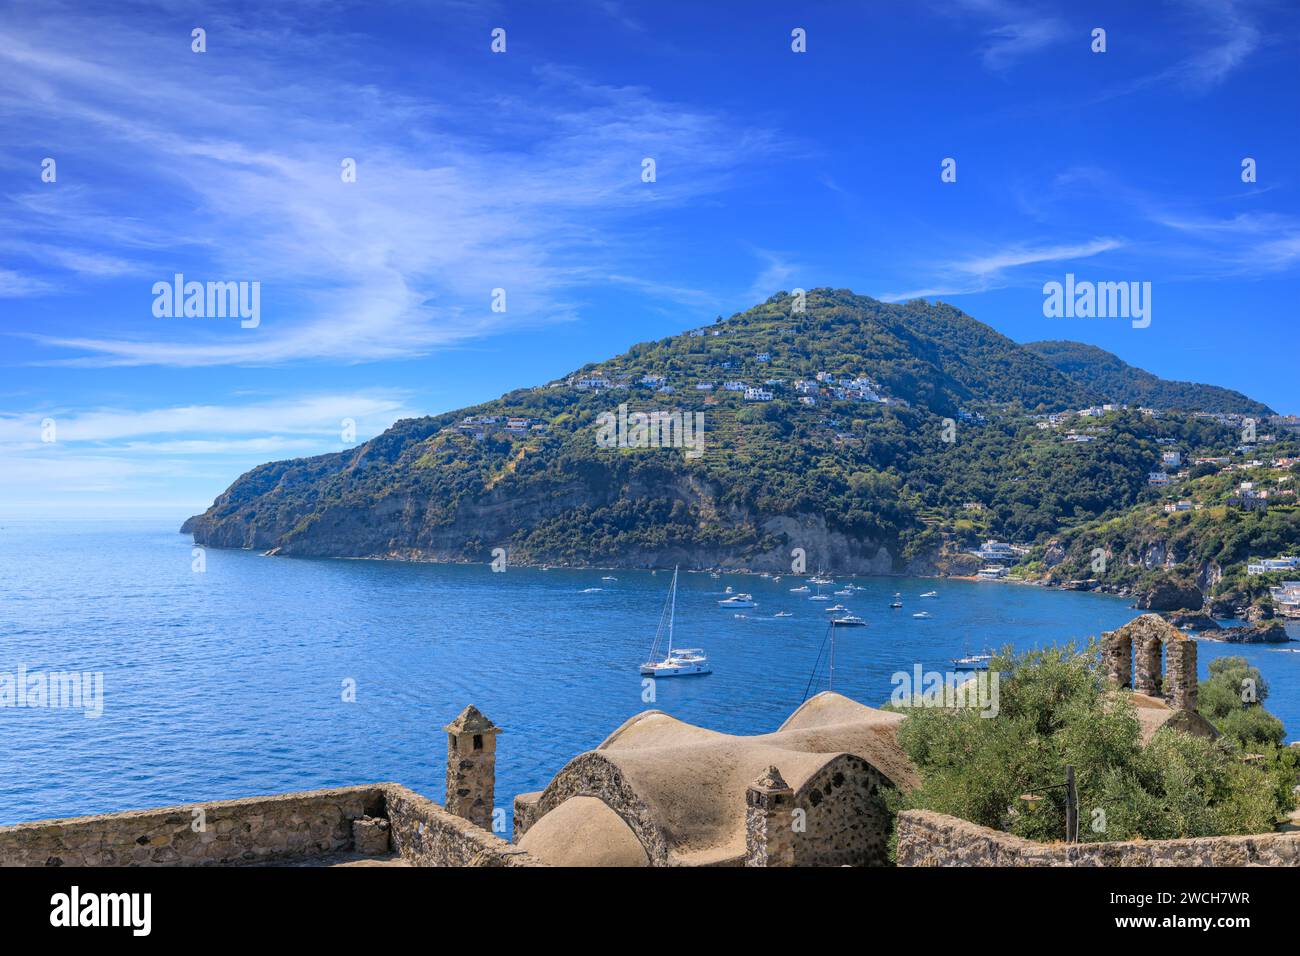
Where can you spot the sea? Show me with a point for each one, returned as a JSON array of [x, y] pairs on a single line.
[[226, 673]]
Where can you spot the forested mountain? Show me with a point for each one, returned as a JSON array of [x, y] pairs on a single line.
[[1099, 370], [873, 436]]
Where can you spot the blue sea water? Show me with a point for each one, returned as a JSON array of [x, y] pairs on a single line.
[[230, 682]]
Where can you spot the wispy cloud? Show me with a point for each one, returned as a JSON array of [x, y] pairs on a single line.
[[990, 271], [1016, 31], [124, 454], [241, 164]]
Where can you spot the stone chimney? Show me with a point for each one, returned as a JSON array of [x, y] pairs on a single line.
[[769, 821], [472, 766]]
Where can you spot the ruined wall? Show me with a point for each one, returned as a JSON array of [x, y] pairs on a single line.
[[289, 826], [932, 839]]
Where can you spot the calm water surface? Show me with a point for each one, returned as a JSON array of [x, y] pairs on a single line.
[[229, 682]]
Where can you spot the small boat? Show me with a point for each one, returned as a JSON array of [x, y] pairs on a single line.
[[802, 589], [921, 614], [591, 590], [609, 577], [727, 590], [972, 662], [930, 594], [741, 617], [820, 580], [897, 601], [714, 574], [738, 600], [835, 609], [682, 661], [844, 592], [820, 597], [776, 579], [849, 620], [784, 614]]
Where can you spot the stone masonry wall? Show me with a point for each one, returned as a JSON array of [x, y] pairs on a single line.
[[289, 826], [428, 835], [932, 839]]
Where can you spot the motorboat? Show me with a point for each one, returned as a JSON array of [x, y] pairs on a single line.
[[849, 620], [801, 589], [835, 609], [921, 614], [930, 594], [738, 600], [897, 601]]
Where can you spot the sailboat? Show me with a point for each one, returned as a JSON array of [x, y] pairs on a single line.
[[678, 662]]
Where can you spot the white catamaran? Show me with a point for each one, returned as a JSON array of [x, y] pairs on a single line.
[[681, 661]]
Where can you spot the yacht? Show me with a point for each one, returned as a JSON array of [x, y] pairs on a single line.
[[930, 594], [738, 600], [820, 597], [844, 592], [802, 589], [921, 614], [849, 620], [835, 609], [972, 662], [591, 590], [818, 579], [609, 577], [897, 601], [784, 614], [678, 662]]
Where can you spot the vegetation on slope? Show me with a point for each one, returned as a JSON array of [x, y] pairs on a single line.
[[1055, 709], [1121, 382]]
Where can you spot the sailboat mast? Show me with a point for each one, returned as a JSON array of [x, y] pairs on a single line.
[[830, 683], [672, 613]]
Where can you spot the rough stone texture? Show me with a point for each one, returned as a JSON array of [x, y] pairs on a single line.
[[427, 835], [303, 827], [847, 822], [471, 766], [526, 812], [1180, 674], [769, 821], [932, 839], [370, 835], [252, 830], [1131, 656]]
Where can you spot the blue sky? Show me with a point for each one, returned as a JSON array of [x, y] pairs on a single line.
[[522, 171]]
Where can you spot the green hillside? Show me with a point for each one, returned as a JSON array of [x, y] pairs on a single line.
[[1098, 369]]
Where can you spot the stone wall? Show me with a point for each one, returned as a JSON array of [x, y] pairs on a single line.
[[290, 826], [932, 839], [427, 835], [847, 822], [286, 828]]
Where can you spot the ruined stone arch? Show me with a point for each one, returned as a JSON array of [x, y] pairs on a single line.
[[1132, 658]]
